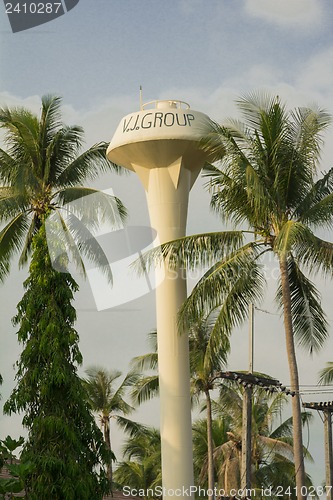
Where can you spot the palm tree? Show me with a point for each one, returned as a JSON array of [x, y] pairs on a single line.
[[204, 365], [41, 173], [147, 386], [219, 435], [267, 182], [108, 401], [141, 467], [272, 452]]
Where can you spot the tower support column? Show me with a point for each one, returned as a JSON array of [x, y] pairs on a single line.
[[162, 145], [167, 191]]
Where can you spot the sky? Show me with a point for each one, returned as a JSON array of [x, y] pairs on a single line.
[[207, 53]]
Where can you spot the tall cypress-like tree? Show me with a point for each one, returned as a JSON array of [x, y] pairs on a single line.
[[64, 445], [44, 172]]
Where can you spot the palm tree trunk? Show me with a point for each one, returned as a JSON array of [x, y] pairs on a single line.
[[107, 439], [211, 482], [294, 381]]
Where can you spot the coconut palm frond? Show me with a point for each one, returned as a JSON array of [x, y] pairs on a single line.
[[316, 254], [145, 362], [326, 374], [191, 252], [145, 389], [87, 165], [230, 285], [12, 237], [309, 320], [94, 207], [315, 206]]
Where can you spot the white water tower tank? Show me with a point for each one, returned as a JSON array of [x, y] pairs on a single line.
[[161, 143], [156, 136]]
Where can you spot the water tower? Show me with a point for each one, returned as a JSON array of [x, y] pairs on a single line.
[[161, 144]]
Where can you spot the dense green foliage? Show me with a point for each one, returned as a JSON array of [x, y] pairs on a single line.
[[64, 444], [18, 471], [272, 446], [272, 451], [204, 365], [141, 467], [42, 176]]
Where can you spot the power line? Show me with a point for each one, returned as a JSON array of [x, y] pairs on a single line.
[[316, 385], [311, 392], [279, 314], [267, 312]]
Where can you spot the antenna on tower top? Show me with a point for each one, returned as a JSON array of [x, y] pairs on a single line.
[[140, 97]]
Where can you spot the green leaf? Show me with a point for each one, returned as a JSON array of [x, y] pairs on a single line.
[[291, 234], [11, 239], [230, 285], [326, 375], [145, 389], [196, 251]]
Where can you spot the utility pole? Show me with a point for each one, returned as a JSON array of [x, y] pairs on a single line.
[[251, 337], [327, 409], [328, 451], [248, 380], [247, 414]]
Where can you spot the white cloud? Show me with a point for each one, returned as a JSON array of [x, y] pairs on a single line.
[[99, 122], [302, 13], [317, 74], [9, 100]]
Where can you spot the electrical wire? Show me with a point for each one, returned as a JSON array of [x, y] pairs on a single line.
[[266, 312], [279, 314], [316, 385], [315, 392]]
